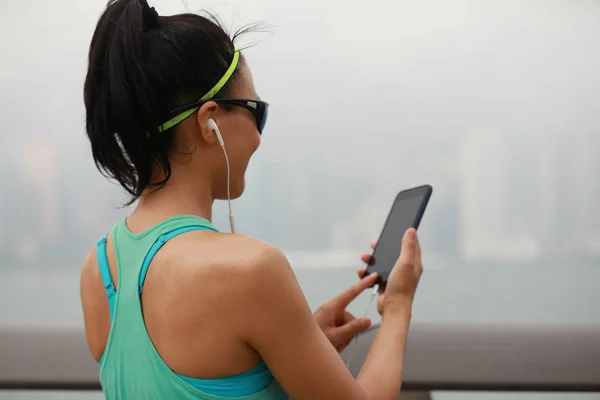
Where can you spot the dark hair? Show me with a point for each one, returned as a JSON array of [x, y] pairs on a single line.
[[141, 66]]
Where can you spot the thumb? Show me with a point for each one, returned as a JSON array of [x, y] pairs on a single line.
[[347, 331]]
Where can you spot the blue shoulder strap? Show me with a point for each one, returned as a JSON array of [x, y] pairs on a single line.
[[160, 242], [105, 272]]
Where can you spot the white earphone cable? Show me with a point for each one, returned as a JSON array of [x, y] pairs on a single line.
[[213, 125], [231, 223]]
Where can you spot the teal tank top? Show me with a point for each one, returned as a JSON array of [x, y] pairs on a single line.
[[131, 367]]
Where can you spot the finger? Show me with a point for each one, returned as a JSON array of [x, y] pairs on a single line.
[[373, 244], [343, 345], [344, 298], [344, 318], [365, 258], [361, 274], [346, 332], [348, 317], [409, 246]]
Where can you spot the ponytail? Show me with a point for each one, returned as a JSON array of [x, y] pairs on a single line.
[[141, 66]]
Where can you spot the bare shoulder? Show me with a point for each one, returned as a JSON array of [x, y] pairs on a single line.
[[252, 254], [229, 275], [236, 259], [264, 265], [90, 274], [89, 262]]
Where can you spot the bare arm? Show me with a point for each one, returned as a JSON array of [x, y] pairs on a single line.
[[280, 326], [383, 368]]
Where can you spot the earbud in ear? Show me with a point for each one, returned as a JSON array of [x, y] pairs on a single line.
[[212, 125]]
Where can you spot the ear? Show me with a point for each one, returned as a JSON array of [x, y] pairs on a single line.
[[208, 110]]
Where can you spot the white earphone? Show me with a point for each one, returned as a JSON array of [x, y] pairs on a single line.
[[212, 125]]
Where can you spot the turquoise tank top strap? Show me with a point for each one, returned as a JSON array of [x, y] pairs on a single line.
[[198, 224], [105, 272]]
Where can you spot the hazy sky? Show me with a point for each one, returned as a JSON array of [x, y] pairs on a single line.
[[345, 64], [359, 86]]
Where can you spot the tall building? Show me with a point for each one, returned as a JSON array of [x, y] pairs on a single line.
[[487, 181], [7, 196], [550, 204], [40, 169], [31, 208], [568, 167], [581, 165]]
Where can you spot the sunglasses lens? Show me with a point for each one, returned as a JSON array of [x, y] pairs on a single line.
[[261, 118]]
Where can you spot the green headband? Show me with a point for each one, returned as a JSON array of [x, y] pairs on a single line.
[[178, 118]]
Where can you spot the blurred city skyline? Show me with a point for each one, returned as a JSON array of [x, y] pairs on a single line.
[[500, 200]]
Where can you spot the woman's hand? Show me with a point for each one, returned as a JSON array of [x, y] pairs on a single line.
[[340, 326], [405, 276]]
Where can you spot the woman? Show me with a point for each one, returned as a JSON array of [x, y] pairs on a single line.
[[174, 309]]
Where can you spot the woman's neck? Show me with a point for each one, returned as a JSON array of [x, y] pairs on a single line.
[[175, 198]]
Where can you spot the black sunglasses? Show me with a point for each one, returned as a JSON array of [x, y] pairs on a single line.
[[258, 108]]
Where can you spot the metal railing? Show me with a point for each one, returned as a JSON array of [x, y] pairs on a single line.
[[439, 357]]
